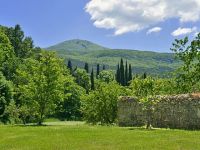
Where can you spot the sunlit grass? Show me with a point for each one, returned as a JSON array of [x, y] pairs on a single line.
[[79, 136]]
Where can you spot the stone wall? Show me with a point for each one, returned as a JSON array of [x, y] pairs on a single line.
[[179, 111]]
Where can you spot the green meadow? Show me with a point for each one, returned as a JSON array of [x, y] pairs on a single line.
[[79, 136]]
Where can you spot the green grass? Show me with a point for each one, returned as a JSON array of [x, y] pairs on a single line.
[[77, 136]]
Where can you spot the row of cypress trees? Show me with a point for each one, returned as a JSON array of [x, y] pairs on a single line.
[[123, 73], [86, 67]]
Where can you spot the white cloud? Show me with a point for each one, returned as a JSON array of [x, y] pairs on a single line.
[[154, 30], [184, 31], [133, 15]]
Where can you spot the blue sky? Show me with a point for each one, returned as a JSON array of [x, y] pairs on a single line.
[[51, 21]]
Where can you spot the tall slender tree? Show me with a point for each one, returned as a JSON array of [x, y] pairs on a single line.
[[122, 75], [130, 76], [92, 80], [126, 74], [104, 67], [118, 74], [145, 75], [98, 71], [69, 65], [86, 67]]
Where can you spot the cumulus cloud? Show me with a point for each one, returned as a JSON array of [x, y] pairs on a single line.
[[154, 30], [134, 15], [184, 31]]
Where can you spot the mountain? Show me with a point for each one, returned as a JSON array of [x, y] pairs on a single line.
[[77, 45], [81, 51]]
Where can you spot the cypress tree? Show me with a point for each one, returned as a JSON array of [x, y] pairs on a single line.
[[145, 75], [92, 80], [122, 77], [104, 67], [118, 74], [126, 74], [98, 70], [69, 65], [86, 67], [130, 77]]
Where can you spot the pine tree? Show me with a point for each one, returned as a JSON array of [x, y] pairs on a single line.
[[98, 71], [126, 74], [69, 65], [86, 67], [122, 75], [130, 77], [92, 80]]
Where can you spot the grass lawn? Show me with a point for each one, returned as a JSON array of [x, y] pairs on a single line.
[[77, 136]]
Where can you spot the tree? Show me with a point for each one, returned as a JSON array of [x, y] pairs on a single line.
[[130, 77], [86, 67], [7, 59], [92, 80], [70, 107], [118, 79], [106, 76], [42, 84], [122, 75], [144, 75], [26, 48], [16, 36], [98, 71], [104, 67], [188, 74], [6, 96], [83, 79], [69, 65], [100, 106], [126, 74], [148, 91], [144, 89]]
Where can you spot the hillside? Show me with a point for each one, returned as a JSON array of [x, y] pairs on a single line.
[[80, 51]]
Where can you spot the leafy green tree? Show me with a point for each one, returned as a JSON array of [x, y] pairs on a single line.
[[7, 59], [83, 79], [27, 48], [6, 96], [144, 89], [16, 36], [42, 84], [100, 106], [106, 76], [189, 74], [148, 90], [92, 80], [70, 107], [12, 112]]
